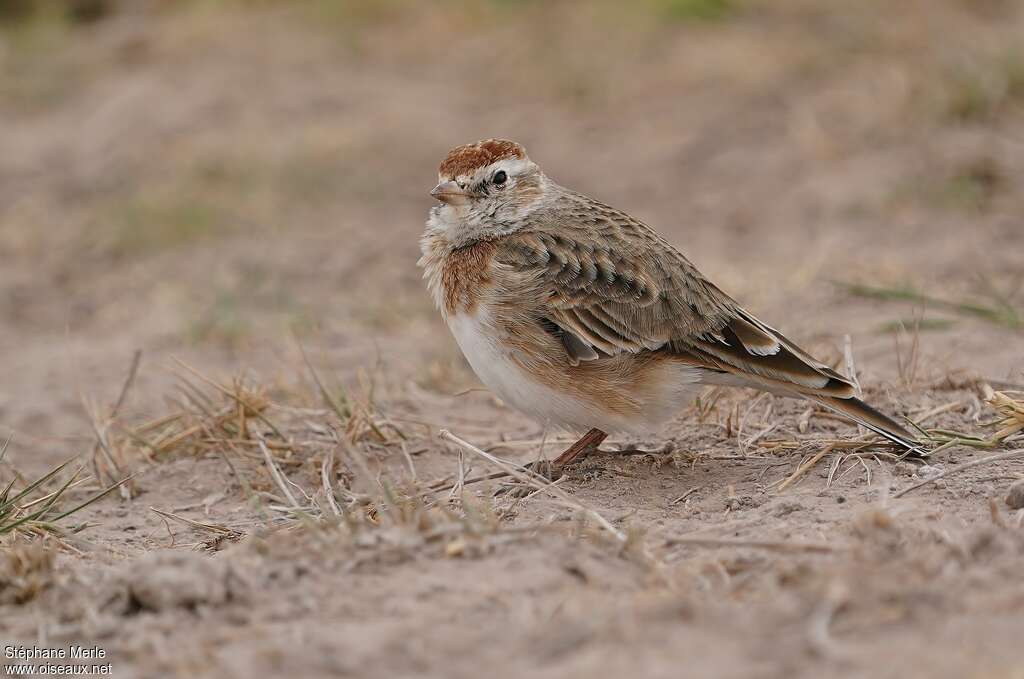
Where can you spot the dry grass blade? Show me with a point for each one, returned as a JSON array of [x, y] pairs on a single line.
[[537, 481], [326, 471], [683, 496], [239, 396], [460, 479], [851, 368], [907, 367], [209, 420], [851, 374], [960, 468], [446, 485], [360, 416], [1003, 385], [277, 474], [342, 410], [212, 527], [935, 412], [1010, 410], [3, 448], [776, 545], [102, 447], [804, 468]]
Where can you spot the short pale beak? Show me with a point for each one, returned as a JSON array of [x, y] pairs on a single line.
[[448, 192]]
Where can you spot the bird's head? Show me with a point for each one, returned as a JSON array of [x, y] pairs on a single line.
[[491, 184]]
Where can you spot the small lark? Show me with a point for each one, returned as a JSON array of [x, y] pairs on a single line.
[[583, 317]]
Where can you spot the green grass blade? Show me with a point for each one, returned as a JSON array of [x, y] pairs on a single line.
[[3, 495], [98, 496], [38, 482], [46, 506], [1002, 314]]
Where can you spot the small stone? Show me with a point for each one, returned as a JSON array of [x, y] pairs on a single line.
[[928, 471], [1015, 496]]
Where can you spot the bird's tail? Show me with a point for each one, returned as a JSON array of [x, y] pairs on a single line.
[[883, 425]]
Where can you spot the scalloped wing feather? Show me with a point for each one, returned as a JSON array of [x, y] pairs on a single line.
[[616, 286]]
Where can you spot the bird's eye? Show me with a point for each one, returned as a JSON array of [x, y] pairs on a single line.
[[500, 177]]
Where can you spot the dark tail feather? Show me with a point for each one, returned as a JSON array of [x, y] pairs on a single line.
[[883, 425]]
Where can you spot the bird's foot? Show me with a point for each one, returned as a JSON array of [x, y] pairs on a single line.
[[551, 470]]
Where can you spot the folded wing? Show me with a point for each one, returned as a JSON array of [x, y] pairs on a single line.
[[615, 286]]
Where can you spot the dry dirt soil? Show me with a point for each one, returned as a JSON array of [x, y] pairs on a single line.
[[221, 186]]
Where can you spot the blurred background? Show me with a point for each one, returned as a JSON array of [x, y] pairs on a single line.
[[206, 178]]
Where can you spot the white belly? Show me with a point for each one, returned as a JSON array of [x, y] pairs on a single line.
[[494, 365]]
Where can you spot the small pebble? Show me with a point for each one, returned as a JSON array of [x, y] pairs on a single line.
[[1015, 496], [928, 471]]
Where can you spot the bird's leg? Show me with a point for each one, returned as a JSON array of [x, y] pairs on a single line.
[[588, 443]]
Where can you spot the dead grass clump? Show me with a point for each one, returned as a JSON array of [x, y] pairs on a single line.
[[209, 414], [26, 569], [1010, 420], [266, 444], [209, 417], [1011, 426], [856, 455], [397, 524], [1011, 414], [385, 519], [257, 439], [305, 467]]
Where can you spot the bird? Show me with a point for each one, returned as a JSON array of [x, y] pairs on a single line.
[[585, 318]]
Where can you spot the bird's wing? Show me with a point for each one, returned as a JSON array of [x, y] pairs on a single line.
[[613, 285]]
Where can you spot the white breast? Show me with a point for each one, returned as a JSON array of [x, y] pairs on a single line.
[[493, 364]]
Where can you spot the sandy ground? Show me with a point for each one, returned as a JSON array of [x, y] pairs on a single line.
[[223, 187]]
